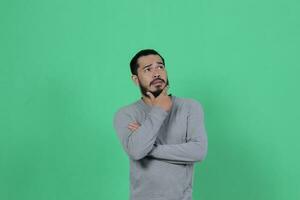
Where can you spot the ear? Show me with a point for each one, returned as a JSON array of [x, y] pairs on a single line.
[[135, 79]]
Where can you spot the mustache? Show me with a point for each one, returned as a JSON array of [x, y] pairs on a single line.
[[156, 80]]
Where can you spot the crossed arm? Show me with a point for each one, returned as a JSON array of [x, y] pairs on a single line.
[[139, 139]]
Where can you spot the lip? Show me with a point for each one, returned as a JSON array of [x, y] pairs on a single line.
[[157, 81]]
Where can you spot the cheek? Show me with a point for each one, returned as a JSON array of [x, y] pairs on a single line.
[[144, 82], [164, 76]]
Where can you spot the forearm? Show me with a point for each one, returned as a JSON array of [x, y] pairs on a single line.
[[137, 144], [195, 148], [178, 162], [185, 153]]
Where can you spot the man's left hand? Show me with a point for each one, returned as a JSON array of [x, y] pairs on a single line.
[[133, 126]]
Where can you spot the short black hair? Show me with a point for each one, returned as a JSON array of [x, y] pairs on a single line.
[[134, 64]]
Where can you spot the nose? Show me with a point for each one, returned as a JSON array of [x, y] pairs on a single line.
[[156, 74]]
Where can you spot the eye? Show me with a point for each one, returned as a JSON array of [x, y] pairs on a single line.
[[146, 69]]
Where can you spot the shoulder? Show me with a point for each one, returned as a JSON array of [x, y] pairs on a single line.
[[126, 110], [190, 103], [191, 106]]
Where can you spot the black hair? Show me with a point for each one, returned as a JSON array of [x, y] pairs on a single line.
[[134, 64]]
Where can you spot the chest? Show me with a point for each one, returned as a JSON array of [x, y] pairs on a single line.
[[174, 127]]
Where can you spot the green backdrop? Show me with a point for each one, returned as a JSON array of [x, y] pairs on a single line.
[[64, 71]]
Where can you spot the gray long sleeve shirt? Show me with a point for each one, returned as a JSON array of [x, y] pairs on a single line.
[[163, 150]]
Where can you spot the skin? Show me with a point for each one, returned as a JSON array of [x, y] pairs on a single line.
[[151, 68]]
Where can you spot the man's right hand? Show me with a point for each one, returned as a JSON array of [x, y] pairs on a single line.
[[163, 100]]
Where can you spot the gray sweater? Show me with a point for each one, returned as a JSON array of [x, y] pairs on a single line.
[[163, 150]]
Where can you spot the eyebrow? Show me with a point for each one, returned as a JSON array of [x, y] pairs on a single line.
[[151, 64]]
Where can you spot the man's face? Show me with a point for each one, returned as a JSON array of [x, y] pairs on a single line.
[[152, 75]]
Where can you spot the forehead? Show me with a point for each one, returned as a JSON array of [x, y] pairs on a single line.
[[149, 59]]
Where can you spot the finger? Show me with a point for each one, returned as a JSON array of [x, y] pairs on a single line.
[[132, 126], [151, 96], [134, 123]]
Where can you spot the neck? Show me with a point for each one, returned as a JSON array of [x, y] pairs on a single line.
[[147, 99]]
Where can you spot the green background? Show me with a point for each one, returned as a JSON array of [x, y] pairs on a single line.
[[64, 71]]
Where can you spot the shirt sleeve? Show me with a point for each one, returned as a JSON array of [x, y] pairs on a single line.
[[195, 148], [151, 155], [137, 144]]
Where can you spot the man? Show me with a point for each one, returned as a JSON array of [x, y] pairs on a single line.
[[163, 135]]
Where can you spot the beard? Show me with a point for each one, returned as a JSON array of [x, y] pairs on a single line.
[[156, 93]]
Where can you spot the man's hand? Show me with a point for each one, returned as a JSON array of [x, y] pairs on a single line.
[[133, 126], [162, 100]]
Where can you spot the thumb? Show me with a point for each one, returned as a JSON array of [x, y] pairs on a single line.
[[150, 95]]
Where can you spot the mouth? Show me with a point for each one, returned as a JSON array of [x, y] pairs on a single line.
[[157, 82]]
